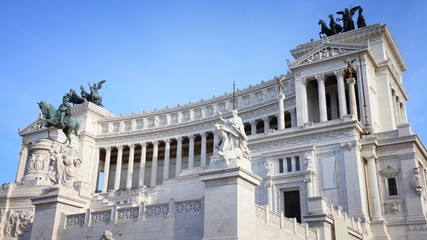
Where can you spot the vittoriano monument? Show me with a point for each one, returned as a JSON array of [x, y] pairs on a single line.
[[347, 19], [61, 118]]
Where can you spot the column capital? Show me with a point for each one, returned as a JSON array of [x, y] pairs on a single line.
[[178, 139], [131, 146], [119, 147], [253, 122], [155, 143], [371, 158], [204, 134], [191, 136], [143, 144], [304, 81], [266, 118], [320, 77], [351, 80], [339, 73], [108, 148], [167, 141]]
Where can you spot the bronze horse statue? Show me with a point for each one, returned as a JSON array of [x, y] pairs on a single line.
[[52, 118], [74, 98], [325, 30]]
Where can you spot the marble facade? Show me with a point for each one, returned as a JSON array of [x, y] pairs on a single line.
[[310, 170]]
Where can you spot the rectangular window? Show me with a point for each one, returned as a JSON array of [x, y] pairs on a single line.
[[280, 165], [297, 167], [392, 187], [289, 164]]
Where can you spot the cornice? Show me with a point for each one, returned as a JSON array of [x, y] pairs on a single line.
[[319, 132]]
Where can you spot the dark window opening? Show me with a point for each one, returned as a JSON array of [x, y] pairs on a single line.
[[281, 165], [289, 164], [297, 164], [392, 187]]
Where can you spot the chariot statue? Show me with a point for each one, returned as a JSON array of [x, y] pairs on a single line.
[[93, 95]]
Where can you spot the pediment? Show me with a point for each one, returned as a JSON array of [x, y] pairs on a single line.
[[38, 124], [325, 50]]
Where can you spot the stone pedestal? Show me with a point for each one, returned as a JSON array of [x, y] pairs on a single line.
[[37, 164], [229, 203], [50, 209]]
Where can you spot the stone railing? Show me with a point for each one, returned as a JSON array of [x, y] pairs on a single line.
[[288, 224], [355, 224], [128, 196], [140, 213], [75, 219]]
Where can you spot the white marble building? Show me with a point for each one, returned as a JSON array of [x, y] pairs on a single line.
[[332, 156]]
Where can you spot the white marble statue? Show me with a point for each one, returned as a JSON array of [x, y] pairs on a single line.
[[108, 235], [64, 166], [234, 142]]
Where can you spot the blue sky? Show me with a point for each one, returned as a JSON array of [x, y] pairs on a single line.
[[155, 54]]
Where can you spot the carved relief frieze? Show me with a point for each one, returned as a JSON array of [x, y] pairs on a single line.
[[15, 221], [394, 207], [6, 187]]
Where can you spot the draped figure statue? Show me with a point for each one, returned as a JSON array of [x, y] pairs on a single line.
[[234, 142]]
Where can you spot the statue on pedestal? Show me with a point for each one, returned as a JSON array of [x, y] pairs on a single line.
[[234, 142], [60, 119]]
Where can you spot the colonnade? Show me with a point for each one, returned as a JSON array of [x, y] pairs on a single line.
[[154, 160], [206, 143], [343, 107]]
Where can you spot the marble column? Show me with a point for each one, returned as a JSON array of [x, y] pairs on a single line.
[[191, 151], [118, 167], [167, 159], [399, 113], [106, 169], [403, 113], [269, 187], [178, 156], [266, 121], [216, 140], [203, 150], [309, 184], [253, 127], [142, 164], [322, 98], [374, 189], [301, 100], [130, 166], [293, 117], [23, 155], [393, 101], [342, 104], [281, 118], [352, 97], [154, 163], [334, 105]]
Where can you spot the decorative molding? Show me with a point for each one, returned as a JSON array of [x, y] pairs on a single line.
[[390, 172]]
